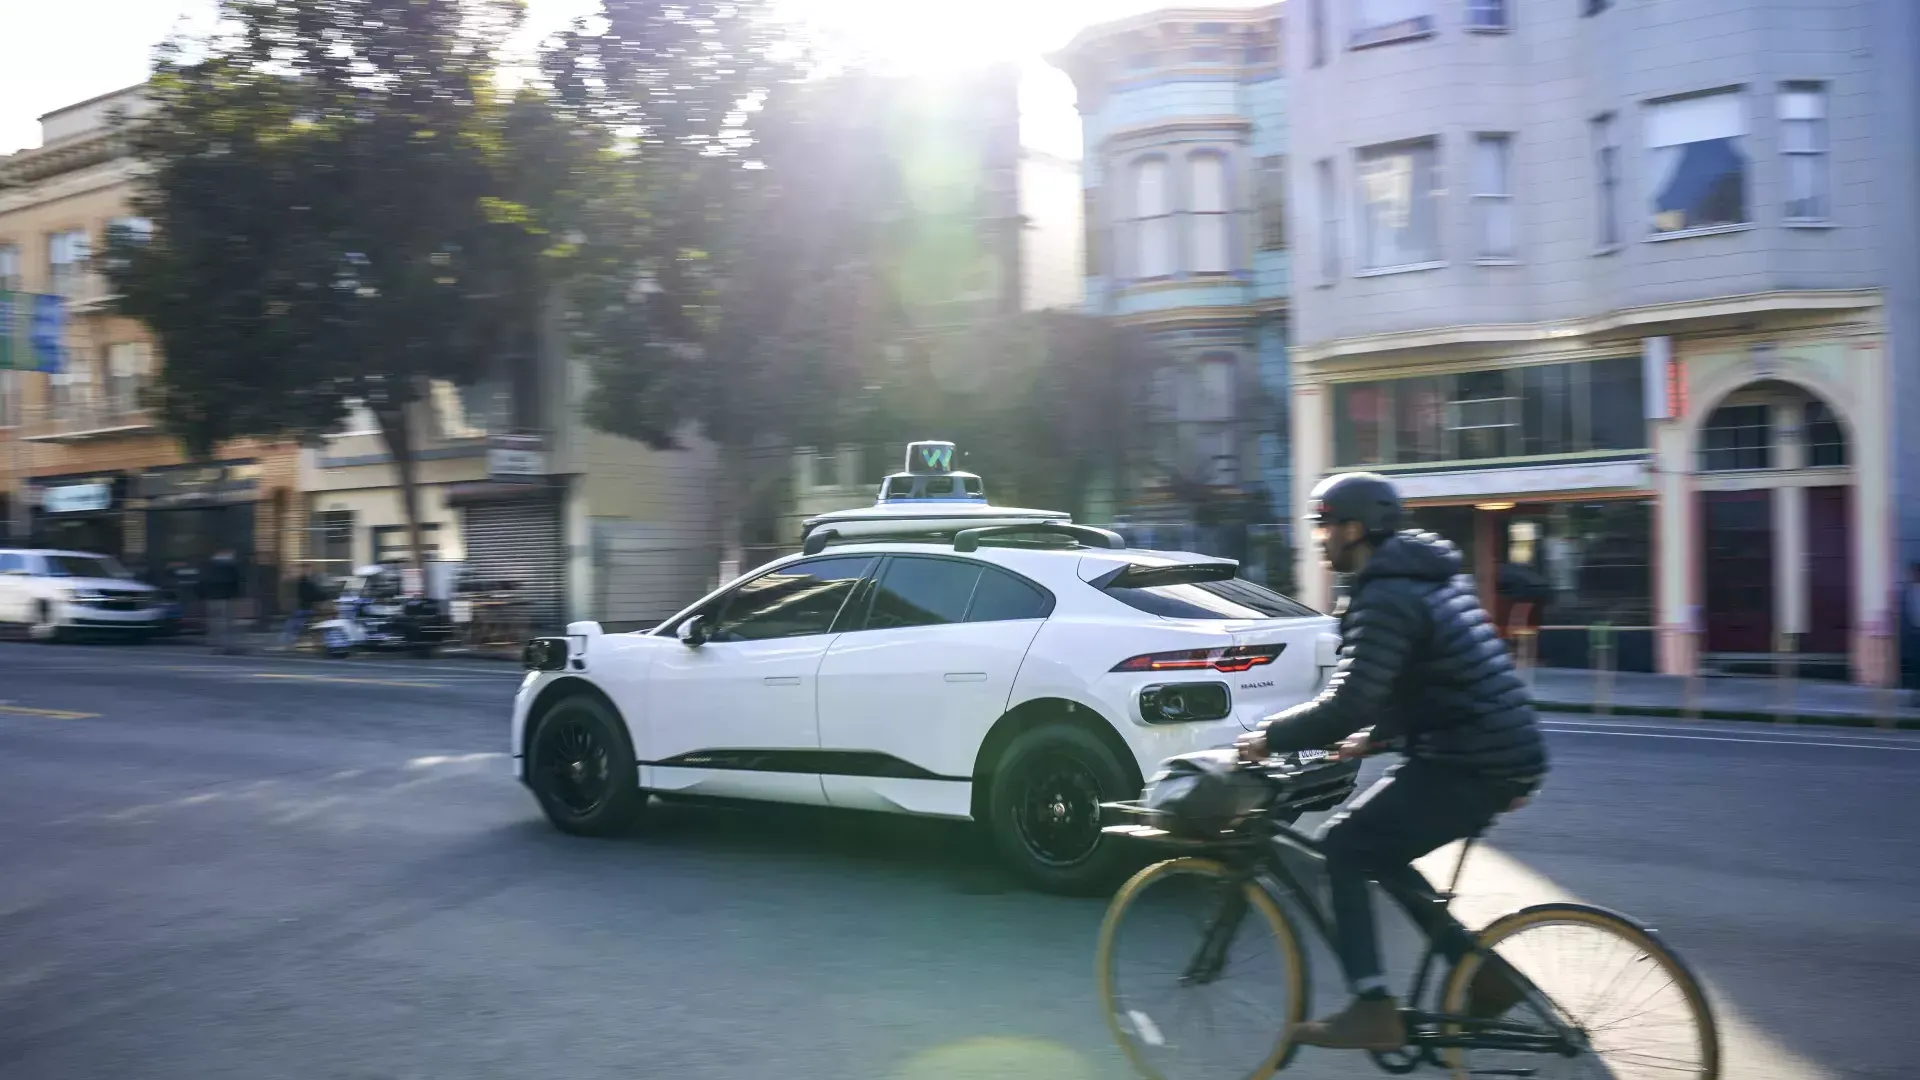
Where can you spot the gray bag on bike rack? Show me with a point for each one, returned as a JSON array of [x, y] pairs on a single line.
[[1204, 794]]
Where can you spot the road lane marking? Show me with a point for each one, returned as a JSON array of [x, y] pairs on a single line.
[[341, 679], [49, 714], [1730, 738]]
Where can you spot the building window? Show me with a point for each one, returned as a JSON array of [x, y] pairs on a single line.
[[1211, 249], [1360, 422], [1329, 198], [1484, 415], [1606, 182], [1273, 203], [1400, 203], [1826, 443], [1526, 411], [1318, 30], [1549, 421], [1487, 14], [129, 371], [73, 392], [1493, 197], [1263, 46], [390, 542], [330, 541], [1803, 141], [1420, 427], [823, 470], [67, 255], [1737, 437], [1697, 162], [1617, 403], [1214, 410], [9, 268], [1153, 220], [1379, 21]]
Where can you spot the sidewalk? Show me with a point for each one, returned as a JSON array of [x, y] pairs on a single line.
[[1572, 690]]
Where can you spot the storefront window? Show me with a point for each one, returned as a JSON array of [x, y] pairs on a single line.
[[1580, 563]]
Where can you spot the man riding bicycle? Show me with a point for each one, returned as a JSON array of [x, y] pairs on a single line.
[[1421, 672]]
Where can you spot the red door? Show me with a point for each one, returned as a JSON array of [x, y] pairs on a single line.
[[1829, 571], [1739, 570]]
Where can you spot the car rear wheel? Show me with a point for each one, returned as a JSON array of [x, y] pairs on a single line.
[[1044, 809], [581, 767], [44, 627]]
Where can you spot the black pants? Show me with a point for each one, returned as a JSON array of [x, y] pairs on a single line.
[[1416, 809]]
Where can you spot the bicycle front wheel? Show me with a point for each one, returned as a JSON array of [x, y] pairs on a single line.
[[1641, 1011], [1201, 975]]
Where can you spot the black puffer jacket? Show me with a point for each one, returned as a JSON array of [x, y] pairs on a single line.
[[1421, 664]]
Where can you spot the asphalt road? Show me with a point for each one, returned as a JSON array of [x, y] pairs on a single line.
[[216, 868]]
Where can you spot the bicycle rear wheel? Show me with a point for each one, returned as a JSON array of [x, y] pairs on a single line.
[[1640, 1009], [1201, 975]]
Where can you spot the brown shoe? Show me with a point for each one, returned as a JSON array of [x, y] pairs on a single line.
[[1365, 1024]]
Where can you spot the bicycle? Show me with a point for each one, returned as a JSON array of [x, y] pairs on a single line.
[[1239, 870]]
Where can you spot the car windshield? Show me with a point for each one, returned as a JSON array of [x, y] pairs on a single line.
[[85, 566], [1233, 599]]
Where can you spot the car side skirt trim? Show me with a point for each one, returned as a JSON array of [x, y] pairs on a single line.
[[826, 762]]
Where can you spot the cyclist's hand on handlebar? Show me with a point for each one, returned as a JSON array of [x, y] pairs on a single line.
[[1252, 745], [1358, 745]]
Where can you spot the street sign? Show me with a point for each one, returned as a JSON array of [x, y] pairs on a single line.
[[77, 498], [517, 458]]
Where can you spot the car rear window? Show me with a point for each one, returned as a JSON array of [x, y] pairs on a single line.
[[1234, 599]]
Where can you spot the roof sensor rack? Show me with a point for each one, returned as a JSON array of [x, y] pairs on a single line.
[[970, 539]]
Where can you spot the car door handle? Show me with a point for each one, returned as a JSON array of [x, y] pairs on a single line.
[[966, 676], [782, 680]]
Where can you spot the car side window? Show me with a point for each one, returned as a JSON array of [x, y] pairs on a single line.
[[1001, 596], [12, 564], [922, 592], [793, 601]]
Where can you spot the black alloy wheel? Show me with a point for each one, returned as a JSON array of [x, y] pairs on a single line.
[[1059, 811], [1044, 808], [581, 767]]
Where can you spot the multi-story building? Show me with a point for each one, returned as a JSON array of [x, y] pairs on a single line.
[[85, 464], [1608, 287], [512, 486], [1183, 118]]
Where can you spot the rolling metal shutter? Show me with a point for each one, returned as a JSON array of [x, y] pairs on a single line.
[[522, 540]]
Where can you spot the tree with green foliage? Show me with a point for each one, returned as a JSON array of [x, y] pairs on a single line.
[[346, 206]]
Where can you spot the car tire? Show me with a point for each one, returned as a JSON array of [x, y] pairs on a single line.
[[1043, 809], [44, 628], [581, 767]]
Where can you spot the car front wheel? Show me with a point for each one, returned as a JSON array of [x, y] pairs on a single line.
[[1044, 809], [581, 767]]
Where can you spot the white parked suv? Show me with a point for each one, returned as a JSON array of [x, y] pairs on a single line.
[[931, 655], [59, 594]]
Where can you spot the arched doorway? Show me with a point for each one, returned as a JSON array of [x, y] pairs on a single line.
[[1775, 481]]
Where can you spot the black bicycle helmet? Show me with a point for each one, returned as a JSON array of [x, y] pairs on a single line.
[[1203, 794], [1367, 498]]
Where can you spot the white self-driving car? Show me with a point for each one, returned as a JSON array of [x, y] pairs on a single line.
[[930, 655]]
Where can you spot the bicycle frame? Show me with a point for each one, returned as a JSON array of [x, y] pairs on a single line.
[[1262, 863]]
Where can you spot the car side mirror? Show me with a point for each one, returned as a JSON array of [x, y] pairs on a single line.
[[694, 632]]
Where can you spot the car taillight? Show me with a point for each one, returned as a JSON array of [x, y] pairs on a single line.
[[1229, 658]]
